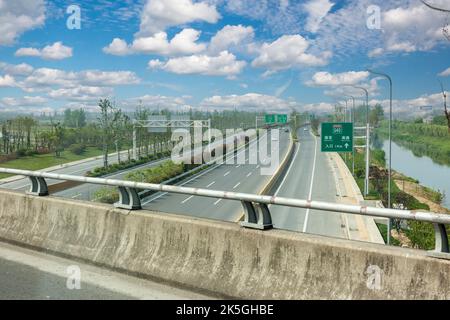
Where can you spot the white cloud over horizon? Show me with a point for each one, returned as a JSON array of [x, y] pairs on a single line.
[[56, 51]]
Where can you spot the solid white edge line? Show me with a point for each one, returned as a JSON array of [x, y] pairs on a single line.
[[305, 224]]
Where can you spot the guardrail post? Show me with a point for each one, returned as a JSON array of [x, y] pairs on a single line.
[[38, 187], [257, 216], [128, 199], [441, 238]]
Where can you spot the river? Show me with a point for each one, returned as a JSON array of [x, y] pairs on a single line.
[[428, 173]]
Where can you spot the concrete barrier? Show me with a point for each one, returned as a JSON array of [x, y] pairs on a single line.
[[221, 258]]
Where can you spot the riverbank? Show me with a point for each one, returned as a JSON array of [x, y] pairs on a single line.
[[421, 193], [428, 140], [405, 193]]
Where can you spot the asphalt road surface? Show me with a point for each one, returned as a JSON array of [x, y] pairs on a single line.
[[77, 170], [237, 178], [309, 177], [30, 275]]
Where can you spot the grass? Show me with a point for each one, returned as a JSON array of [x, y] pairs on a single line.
[[42, 161], [383, 231]]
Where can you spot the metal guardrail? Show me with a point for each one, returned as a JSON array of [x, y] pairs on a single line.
[[257, 213]]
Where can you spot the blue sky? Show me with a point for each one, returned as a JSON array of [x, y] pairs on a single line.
[[213, 54]]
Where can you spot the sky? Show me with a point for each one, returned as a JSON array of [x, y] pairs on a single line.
[[263, 55]]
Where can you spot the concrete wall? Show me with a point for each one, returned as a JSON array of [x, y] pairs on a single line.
[[219, 257]]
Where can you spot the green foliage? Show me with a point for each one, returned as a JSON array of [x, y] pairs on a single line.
[[439, 120], [74, 118], [158, 174], [113, 168], [106, 195], [77, 149]]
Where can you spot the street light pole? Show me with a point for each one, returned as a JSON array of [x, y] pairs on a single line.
[[366, 180], [390, 145], [352, 119]]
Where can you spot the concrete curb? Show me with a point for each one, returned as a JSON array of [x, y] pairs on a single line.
[[369, 222], [218, 257]]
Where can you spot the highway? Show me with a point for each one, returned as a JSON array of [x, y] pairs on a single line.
[[237, 178], [26, 274], [311, 176], [86, 191], [78, 168]]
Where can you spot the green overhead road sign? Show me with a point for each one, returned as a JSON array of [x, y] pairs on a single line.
[[269, 118], [275, 118], [337, 137], [282, 118]]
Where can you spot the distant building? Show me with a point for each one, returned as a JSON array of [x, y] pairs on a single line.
[[428, 120]]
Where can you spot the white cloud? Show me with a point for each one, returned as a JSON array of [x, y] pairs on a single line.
[[375, 52], [44, 79], [16, 69], [117, 47], [19, 16], [81, 93], [185, 42], [157, 102], [7, 81], [410, 108], [157, 15], [225, 64], [445, 73], [56, 51], [338, 79], [287, 52], [249, 102], [317, 11], [406, 26], [23, 102], [230, 36]]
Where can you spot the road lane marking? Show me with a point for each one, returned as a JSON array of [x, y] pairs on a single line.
[[215, 203], [289, 170], [209, 185], [249, 174], [186, 200], [76, 196], [195, 177], [182, 184], [237, 185], [305, 224], [238, 166]]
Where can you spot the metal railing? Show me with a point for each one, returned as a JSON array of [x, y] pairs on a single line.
[[257, 213]]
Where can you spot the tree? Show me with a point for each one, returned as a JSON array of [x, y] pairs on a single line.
[[376, 115], [105, 120], [57, 139], [446, 112]]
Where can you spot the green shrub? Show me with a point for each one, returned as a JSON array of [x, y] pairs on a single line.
[[77, 149], [106, 195]]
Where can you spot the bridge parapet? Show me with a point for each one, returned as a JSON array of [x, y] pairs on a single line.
[[257, 212], [221, 258]]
